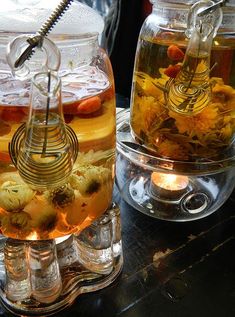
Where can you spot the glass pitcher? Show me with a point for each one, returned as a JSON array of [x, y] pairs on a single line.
[[67, 206], [185, 126]]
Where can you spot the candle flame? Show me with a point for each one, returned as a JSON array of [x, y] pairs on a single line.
[[169, 181]]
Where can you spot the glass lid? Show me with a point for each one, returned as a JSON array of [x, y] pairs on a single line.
[[189, 2], [28, 16]]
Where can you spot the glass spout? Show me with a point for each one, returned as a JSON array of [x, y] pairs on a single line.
[[46, 156], [190, 91]]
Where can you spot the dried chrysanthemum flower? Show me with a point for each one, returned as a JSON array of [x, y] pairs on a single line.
[[91, 156], [200, 124], [86, 186], [89, 179], [61, 196], [14, 197], [168, 148], [44, 216], [223, 93], [11, 177], [16, 224]]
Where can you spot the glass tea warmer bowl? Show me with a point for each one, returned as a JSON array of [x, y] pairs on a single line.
[[60, 229], [176, 147]]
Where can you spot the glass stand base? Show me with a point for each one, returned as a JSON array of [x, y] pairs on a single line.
[[168, 189], [39, 278]]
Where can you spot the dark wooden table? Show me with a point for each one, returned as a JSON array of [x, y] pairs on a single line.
[[170, 269]]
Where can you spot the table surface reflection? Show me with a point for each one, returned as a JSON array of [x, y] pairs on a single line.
[[170, 269]]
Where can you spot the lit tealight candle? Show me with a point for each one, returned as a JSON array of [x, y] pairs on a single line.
[[168, 186]]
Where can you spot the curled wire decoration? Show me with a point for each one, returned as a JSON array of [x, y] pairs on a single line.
[[189, 102], [16, 143], [33, 171]]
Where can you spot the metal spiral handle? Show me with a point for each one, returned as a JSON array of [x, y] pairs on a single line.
[[37, 40], [54, 17]]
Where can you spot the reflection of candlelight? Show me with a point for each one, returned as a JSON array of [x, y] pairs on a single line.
[[168, 185]]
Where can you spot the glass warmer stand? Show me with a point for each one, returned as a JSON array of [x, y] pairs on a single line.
[[43, 277], [167, 189]]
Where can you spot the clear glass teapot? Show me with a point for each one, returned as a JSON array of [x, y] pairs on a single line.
[[82, 191], [183, 93]]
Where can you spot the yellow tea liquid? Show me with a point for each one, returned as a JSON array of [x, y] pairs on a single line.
[[26, 213], [201, 134]]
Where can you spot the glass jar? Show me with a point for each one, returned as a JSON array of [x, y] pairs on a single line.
[[163, 52], [88, 103]]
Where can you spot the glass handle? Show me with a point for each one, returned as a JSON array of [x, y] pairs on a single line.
[[43, 57], [207, 13]]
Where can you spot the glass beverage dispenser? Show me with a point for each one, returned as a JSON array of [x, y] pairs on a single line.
[[60, 229], [178, 150]]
